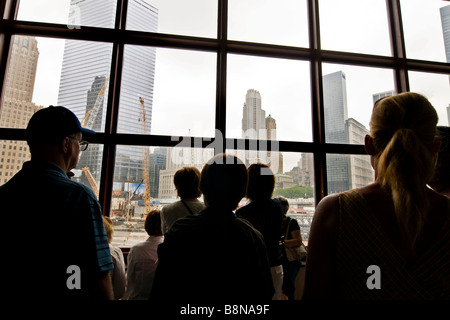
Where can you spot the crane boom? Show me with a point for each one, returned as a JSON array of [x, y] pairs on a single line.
[[145, 165], [92, 114], [91, 180], [88, 123]]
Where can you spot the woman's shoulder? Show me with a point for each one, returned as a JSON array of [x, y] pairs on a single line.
[[326, 215]]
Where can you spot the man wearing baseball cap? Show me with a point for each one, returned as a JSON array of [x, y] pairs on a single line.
[[62, 251]]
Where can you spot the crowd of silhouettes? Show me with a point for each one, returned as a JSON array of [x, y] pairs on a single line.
[[386, 240]]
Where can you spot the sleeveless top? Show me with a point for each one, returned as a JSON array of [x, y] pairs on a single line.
[[370, 267]]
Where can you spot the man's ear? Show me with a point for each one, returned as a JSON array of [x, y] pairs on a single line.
[[65, 144], [368, 145]]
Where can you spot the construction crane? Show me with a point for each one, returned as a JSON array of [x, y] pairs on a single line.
[[91, 180], [88, 123], [145, 165], [92, 114]]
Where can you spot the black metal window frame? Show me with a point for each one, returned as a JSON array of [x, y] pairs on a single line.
[[119, 37]]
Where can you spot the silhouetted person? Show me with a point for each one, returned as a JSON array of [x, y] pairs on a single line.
[[441, 180], [143, 259], [61, 252], [266, 215], [187, 183], [214, 256], [118, 275], [292, 239], [390, 239]]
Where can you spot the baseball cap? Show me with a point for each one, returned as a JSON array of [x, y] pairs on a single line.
[[53, 122]]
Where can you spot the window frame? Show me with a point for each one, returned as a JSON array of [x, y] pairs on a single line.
[[119, 37]]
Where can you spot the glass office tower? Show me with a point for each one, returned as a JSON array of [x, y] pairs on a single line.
[[86, 92]]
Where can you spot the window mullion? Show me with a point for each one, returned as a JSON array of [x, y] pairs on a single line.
[[317, 111], [112, 111], [398, 44]]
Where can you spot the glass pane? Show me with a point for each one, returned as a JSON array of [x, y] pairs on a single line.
[[73, 13], [354, 26], [425, 41], [178, 92], [132, 188], [45, 71], [349, 94], [345, 172], [191, 18], [268, 99], [269, 21], [436, 88]]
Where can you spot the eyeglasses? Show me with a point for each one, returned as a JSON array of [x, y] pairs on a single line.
[[83, 143]]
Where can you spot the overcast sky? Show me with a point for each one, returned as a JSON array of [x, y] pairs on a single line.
[[184, 98]]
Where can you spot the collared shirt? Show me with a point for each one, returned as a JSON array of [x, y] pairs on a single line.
[[63, 219], [142, 263]]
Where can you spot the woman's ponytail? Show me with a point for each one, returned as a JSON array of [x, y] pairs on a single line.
[[402, 127]]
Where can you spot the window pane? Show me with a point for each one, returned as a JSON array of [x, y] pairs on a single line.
[[349, 94], [128, 207], [178, 92], [73, 13], [354, 26], [269, 21], [437, 89], [345, 172], [191, 18], [423, 27], [268, 99], [45, 71]]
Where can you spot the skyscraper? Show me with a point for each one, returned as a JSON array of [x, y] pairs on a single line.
[[335, 102], [254, 126], [335, 107], [275, 158], [253, 116], [17, 107], [361, 173], [85, 73], [379, 95], [445, 21]]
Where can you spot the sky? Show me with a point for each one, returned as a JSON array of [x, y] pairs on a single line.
[[185, 80]]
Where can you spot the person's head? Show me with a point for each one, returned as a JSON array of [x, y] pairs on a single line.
[[56, 131], [187, 182], [223, 181], [441, 180], [284, 204], [261, 182], [402, 144], [107, 223], [152, 224]]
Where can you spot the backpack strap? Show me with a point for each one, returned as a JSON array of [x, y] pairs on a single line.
[[187, 207]]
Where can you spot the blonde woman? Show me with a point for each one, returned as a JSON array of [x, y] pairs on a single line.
[[390, 239]]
